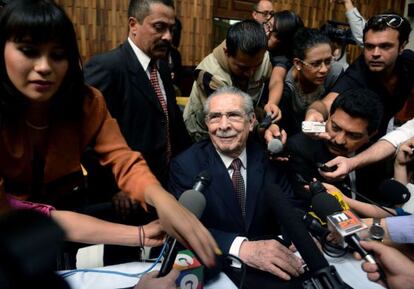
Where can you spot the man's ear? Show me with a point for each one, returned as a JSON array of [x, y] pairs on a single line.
[[402, 46], [225, 51], [252, 121], [132, 24]]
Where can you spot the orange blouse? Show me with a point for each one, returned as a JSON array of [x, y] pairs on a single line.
[[65, 145]]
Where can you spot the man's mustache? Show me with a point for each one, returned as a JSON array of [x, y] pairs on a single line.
[[162, 45]]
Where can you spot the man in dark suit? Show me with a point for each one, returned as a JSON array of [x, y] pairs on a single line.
[[353, 121], [236, 213], [149, 117], [139, 93]]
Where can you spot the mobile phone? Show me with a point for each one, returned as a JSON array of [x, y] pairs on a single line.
[[313, 127], [326, 169]]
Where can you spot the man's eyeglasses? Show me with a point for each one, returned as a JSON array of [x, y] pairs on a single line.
[[391, 20], [266, 13], [232, 116], [317, 65]]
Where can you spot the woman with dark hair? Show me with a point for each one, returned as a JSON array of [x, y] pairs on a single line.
[[284, 24], [312, 75], [48, 116]]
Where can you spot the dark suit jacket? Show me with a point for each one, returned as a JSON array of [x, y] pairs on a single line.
[[305, 152], [222, 215], [134, 103]]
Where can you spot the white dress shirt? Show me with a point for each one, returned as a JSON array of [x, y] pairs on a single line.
[[145, 60]]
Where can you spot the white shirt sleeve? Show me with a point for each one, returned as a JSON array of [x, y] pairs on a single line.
[[400, 134], [235, 250], [356, 23]]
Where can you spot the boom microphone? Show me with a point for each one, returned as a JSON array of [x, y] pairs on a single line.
[[195, 202], [323, 275]]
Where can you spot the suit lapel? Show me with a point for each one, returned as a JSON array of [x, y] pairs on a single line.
[[255, 175], [139, 76], [222, 186]]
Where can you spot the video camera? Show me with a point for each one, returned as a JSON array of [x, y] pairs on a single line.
[[338, 32]]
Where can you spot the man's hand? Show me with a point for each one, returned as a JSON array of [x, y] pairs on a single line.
[[405, 152], [153, 234], [398, 269], [271, 256], [150, 281], [274, 111], [345, 166], [274, 131]]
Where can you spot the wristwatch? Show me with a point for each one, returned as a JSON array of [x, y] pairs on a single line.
[[376, 232]]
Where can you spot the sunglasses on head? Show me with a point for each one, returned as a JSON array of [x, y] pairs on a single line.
[[391, 20]]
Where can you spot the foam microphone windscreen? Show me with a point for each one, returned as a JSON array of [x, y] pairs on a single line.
[[194, 201], [275, 146], [296, 230], [324, 205], [393, 193]]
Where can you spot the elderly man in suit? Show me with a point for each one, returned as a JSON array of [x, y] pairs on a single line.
[[236, 213], [138, 88]]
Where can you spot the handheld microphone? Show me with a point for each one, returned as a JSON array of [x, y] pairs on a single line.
[[201, 182], [195, 202], [275, 146], [343, 222], [323, 275]]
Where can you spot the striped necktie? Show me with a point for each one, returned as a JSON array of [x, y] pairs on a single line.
[[156, 85]]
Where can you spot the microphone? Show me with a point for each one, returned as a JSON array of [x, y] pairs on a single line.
[[195, 202], [201, 182], [393, 193], [343, 222], [323, 275], [275, 146]]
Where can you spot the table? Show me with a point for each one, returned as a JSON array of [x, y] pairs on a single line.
[[348, 268], [89, 280]]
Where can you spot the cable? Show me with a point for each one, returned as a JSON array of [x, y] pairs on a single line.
[[131, 275], [369, 200], [243, 268]]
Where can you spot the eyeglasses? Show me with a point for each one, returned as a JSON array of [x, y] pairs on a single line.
[[232, 116], [317, 65], [391, 20], [266, 13]]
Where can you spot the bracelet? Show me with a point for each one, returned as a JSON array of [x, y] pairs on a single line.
[[141, 236]]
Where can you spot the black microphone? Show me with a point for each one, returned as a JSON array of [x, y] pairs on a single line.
[[343, 222], [322, 274], [313, 225], [393, 193], [195, 202]]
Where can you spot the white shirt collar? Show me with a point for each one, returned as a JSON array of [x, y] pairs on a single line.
[[143, 59], [228, 160]]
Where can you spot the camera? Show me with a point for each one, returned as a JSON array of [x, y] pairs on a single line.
[[338, 32]]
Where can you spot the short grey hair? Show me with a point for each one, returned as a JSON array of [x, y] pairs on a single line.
[[247, 100]]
